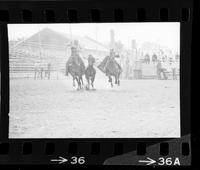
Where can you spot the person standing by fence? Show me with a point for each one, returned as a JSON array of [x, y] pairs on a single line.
[[154, 58], [161, 70], [48, 70], [174, 70]]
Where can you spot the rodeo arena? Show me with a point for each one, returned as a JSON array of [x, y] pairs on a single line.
[[64, 86]]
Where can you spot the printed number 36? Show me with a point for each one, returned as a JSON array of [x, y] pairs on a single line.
[[77, 160]]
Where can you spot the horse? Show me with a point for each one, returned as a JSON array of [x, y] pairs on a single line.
[[90, 72], [76, 71], [113, 69]]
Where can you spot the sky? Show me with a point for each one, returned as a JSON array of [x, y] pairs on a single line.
[[166, 34]]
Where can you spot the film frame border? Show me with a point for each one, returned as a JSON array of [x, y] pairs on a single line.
[[82, 12]]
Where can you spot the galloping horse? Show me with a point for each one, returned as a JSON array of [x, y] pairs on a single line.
[[111, 68], [76, 72], [76, 68], [90, 72]]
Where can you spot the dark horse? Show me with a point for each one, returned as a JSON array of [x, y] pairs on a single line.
[[90, 72], [76, 71], [113, 69]]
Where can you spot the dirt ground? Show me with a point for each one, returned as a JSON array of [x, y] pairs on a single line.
[[55, 109]]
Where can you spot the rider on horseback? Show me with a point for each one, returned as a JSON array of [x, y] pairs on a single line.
[[111, 67], [91, 60], [74, 59], [111, 58]]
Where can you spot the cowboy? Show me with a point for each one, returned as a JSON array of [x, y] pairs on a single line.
[[91, 60], [111, 58], [75, 59]]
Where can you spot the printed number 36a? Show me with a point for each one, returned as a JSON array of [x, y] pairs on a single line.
[[77, 160], [168, 161]]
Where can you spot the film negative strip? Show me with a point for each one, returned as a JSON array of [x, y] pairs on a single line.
[[96, 83]]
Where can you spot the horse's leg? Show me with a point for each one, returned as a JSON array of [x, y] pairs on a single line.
[[116, 80], [79, 79], [76, 78], [88, 83], [82, 80], [93, 78], [73, 81], [92, 81], [111, 81]]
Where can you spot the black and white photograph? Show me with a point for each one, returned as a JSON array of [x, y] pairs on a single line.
[[94, 80]]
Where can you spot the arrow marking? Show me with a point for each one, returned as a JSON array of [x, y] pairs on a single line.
[[60, 160], [149, 161]]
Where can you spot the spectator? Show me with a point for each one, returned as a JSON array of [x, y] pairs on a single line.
[[154, 58], [147, 59], [161, 70]]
